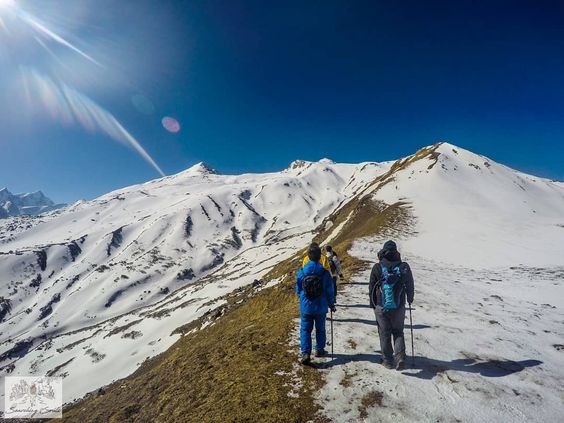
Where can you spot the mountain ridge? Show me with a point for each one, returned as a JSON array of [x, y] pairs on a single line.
[[145, 260]]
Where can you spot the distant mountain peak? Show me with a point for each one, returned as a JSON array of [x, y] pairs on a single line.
[[4, 192], [302, 164], [448, 148], [299, 164], [203, 168], [31, 203]]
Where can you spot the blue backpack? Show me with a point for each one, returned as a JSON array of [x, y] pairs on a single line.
[[391, 287]]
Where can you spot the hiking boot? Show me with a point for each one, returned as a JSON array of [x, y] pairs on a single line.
[[400, 365], [320, 353], [387, 364], [305, 358]]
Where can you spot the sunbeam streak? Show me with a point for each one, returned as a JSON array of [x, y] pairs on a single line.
[[48, 94], [46, 32], [68, 105]]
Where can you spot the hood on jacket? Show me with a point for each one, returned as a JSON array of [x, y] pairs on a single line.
[[390, 258], [389, 251]]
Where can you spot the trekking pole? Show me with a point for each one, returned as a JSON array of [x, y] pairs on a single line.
[[332, 350], [412, 349]]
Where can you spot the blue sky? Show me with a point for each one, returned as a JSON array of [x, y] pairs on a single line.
[[255, 85]]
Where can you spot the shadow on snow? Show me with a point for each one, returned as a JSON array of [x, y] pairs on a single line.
[[429, 368], [353, 305], [365, 321], [419, 327]]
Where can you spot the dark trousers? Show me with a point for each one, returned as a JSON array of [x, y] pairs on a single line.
[[390, 324], [335, 286]]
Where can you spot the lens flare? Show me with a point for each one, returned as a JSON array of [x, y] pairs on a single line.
[[11, 8], [143, 104], [48, 33], [7, 8], [50, 92], [171, 124], [68, 106], [7, 4]]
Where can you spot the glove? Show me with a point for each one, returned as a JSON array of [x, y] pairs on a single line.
[[333, 308]]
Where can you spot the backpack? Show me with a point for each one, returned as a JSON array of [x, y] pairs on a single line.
[[313, 286], [391, 287]]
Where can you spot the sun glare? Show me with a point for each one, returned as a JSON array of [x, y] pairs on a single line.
[[45, 89], [7, 4]]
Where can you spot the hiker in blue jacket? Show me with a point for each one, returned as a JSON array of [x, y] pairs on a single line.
[[314, 286]]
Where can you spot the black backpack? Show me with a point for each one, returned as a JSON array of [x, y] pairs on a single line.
[[313, 286]]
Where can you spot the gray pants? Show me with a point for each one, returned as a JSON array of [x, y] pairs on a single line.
[[390, 324]]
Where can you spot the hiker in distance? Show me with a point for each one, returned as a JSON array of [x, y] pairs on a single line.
[[314, 286], [391, 283], [334, 267]]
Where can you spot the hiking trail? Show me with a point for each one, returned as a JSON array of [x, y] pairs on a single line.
[[485, 348]]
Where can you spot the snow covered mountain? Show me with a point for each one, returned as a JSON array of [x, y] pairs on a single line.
[[476, 212], [102, 281], [32, 203], [487, 250], [92, 291]]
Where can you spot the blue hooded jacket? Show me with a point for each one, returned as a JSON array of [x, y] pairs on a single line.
[[321, 304]]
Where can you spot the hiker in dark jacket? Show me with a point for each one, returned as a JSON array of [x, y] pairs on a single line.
[[335, 267], [389, 303], [313, 308]]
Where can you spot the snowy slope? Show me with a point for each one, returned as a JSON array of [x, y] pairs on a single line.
[[488, 347], [87, 288], [487, 252], [476, 212]]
